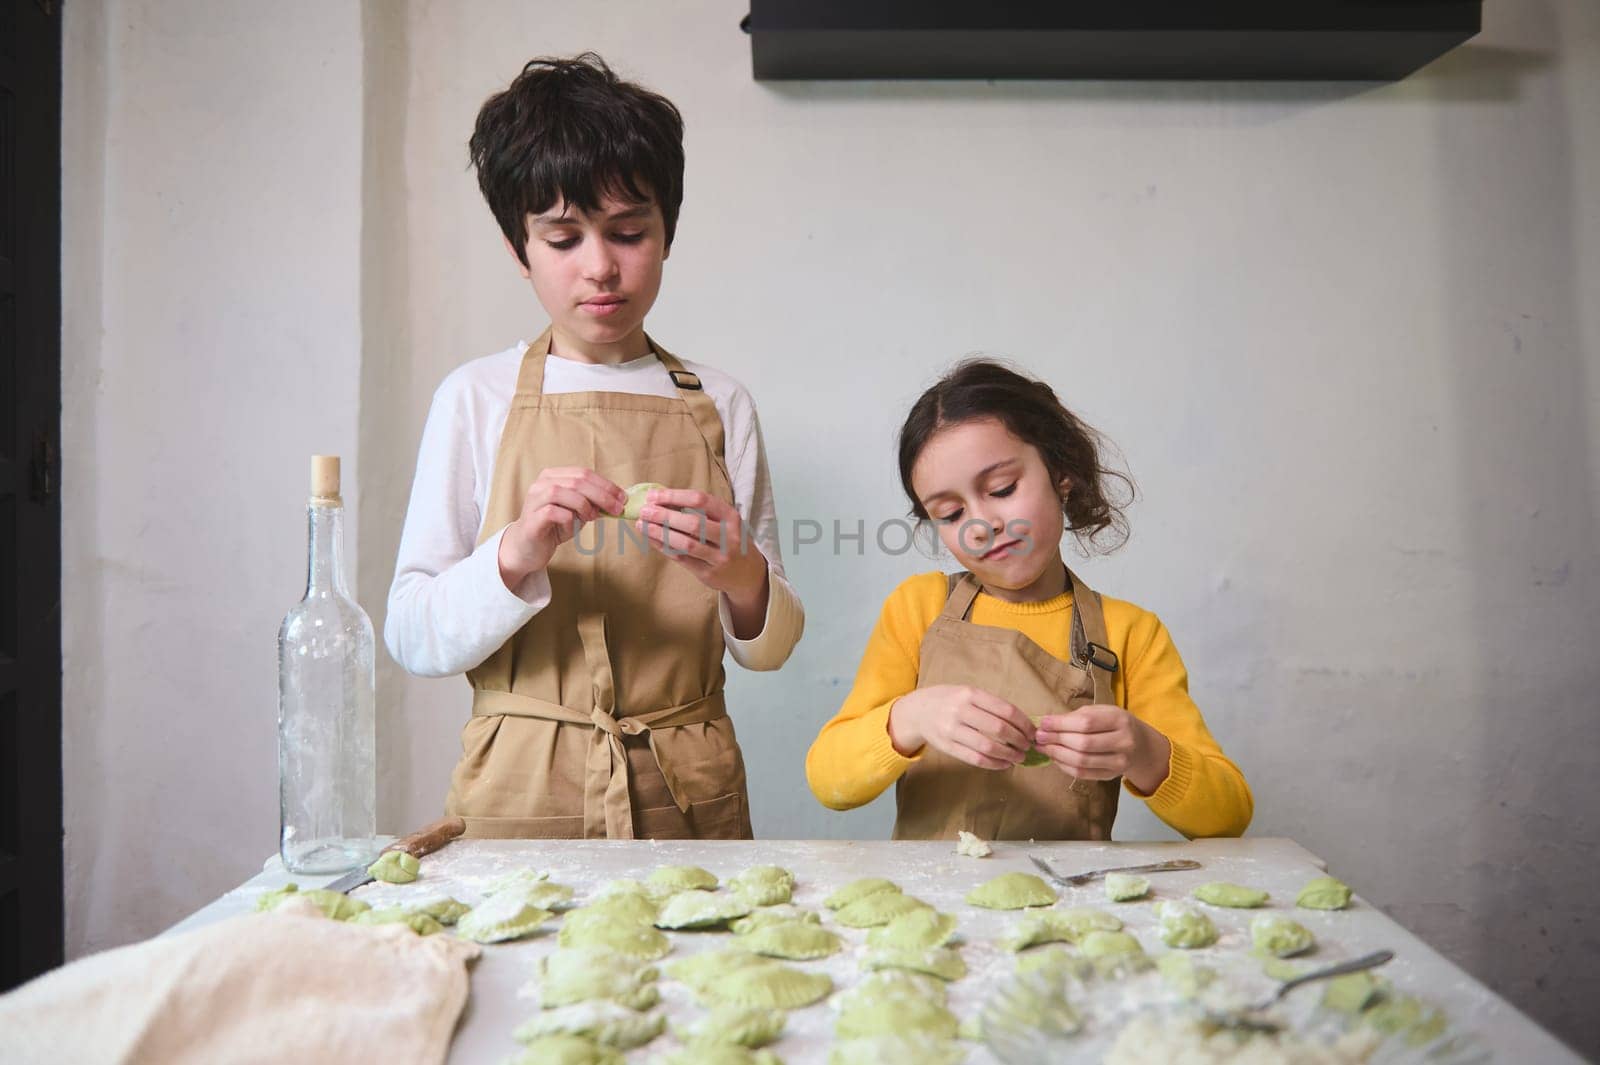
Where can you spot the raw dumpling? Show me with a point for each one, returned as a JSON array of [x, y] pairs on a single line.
[[942, 962], [441, 908], [1012, 891], [897, 1050], [1235, 896], [1097, 945], [878, 909], [770, 986], [394, 867], [333, 904], [764, 885], [796, 940], [545, 894], [1185, 927], [1121, 887], [1057, 926], [1324, 893], [565, 1050], [699, 970], [917, 930], [891, 984], [683, 878], [718, 1054], [1274, 934], [895, 1016], [607, 1023], [420, 923], [780, 914], [599, 927], [515, 878], [500, 918], [747, 1026], [1183, 975], [859, 889], [700, 909], [580, 975]]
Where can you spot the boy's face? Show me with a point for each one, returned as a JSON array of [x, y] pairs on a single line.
[[596, 275], [994, 503]]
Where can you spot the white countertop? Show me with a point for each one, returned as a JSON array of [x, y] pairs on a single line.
[[933, 872]]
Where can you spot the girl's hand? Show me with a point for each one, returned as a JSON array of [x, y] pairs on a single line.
[[556, 502], [969, 724], [1103, 743], [706, 536]]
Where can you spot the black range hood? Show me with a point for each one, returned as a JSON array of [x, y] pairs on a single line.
[[1231, 40]]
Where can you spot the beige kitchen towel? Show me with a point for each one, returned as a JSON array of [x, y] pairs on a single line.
[[273, 987]]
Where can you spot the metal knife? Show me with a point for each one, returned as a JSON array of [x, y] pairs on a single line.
[[422, 842]]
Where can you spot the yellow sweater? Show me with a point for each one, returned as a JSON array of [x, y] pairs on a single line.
[[852, 760]]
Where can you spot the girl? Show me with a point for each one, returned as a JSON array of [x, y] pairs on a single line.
[[1008, 699]]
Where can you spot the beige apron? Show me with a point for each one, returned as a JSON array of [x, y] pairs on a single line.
[[939, 795], [603, 716]]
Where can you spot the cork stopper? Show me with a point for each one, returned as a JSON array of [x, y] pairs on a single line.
[[325, 478]]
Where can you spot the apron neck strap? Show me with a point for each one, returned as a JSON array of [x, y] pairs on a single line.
[[701, 407], [1090, 646], [963, 590], [530, 378]]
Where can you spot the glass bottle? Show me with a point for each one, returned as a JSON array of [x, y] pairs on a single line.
[[327, 779]]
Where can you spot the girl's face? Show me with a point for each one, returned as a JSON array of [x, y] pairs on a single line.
[[997, 509]]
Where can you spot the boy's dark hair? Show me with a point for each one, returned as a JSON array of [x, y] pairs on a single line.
[[1031, 412], [570, 129]]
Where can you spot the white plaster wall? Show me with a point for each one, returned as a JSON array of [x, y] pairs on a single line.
[[211, 344], [1346, 337]]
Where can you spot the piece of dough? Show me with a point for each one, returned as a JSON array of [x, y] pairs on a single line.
[[1057, 926], [971, 846], [394, 867], [897, 1050], [636, 500], [1012, 891]]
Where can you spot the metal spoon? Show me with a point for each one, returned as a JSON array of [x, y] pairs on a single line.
[[1242, 1018]]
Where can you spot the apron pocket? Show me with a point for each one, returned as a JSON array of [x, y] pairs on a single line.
[[724, 817]]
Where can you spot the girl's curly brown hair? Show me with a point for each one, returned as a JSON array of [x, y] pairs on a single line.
[[1031, 412]]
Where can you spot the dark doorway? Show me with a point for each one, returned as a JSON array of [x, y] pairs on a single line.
[[30, 499]]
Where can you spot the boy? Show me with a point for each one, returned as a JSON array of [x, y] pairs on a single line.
[[594, 646]]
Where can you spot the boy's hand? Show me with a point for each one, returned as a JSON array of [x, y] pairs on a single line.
[[969, 724], [1105, 742], [557, 501], [706, 536]]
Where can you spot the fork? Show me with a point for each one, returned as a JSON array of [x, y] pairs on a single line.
[[1083, 878], [1242, 1018]]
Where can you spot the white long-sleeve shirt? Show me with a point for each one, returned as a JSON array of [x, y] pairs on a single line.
[[448, 608]]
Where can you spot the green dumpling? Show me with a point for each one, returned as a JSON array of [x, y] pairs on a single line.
[[942, 962], [500, 918], [764, 885], [1275, 934], [701, 909], [607, 1023], [1324, 893], [1185, 927], [1234, 896], [878, 909], [794, 940], [772, 986], [859, 889], [682, 877], [420, 923], [895, 1016], [916, 930], [565, 1050], [1012, 891], [635, 501], [746, 1026]]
